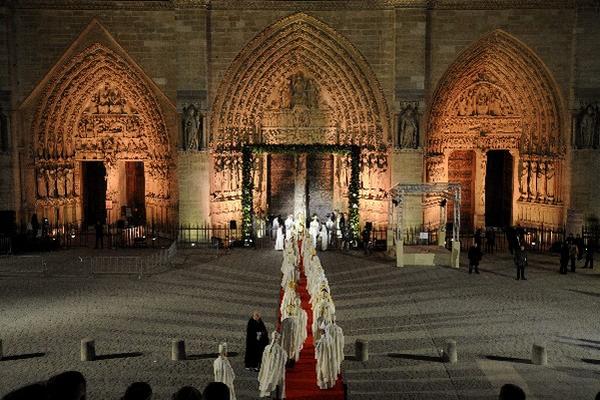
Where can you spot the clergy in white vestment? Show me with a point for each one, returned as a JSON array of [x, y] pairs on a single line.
[[289, 337], [289, 227], [313, 230], [289, 297], [274, 226], [326, 360], [289, 275], [223, 370], [272, 368], [330, 224], [302, 322], [279, 239], [337, 334], [323, 237]]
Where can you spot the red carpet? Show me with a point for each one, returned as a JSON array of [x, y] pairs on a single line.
[[301, 380]]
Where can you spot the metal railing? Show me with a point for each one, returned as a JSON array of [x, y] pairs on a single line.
[[11, 264]]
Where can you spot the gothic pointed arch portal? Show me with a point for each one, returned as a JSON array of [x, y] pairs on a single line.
[[97, 107], [299, 82], [499, 101]]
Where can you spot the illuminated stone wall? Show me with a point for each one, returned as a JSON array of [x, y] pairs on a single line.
[[390, 61]]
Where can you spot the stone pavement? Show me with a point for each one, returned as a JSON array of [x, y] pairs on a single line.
[[406, 314]]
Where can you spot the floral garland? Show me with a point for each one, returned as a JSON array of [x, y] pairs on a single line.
[[248, 184]]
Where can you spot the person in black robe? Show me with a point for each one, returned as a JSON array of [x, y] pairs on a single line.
[[257, 338]]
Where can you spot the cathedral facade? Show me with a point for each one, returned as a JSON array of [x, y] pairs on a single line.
[[183, 111]]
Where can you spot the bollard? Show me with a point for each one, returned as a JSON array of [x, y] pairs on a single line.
[[361, 348], [177, 350], [539, 356], [451, 354], [88, 349]]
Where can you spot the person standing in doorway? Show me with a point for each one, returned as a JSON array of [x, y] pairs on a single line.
[[521, 262], [475, 256], [99, 227]]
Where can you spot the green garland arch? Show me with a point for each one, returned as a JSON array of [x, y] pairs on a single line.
[[248, 184]]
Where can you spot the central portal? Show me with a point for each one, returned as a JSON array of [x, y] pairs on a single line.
[[300, 183]]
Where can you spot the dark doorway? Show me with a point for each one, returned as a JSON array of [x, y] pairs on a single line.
[[135, 185], [498, 188], [94, 191], [319, 171], [281, 182]]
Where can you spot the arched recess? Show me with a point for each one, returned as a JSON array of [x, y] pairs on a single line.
[[299, 82], [97, 105], [499, 96]]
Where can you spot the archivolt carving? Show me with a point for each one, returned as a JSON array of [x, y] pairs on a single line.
[[498, 89], [299, 73], [98, 107]]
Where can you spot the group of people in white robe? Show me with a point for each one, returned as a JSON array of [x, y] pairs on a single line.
[[322, 235], [328, 335], [286, 345]]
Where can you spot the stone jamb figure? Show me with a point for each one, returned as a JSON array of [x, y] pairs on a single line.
[[588, 127], [408, 128], [191, 128]]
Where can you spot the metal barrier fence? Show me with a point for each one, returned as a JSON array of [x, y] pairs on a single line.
[[23, 265]]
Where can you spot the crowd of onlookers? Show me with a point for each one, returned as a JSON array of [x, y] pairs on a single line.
[[71, 385]]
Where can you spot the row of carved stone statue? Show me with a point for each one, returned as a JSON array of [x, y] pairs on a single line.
[[537, 181], [55, 182]]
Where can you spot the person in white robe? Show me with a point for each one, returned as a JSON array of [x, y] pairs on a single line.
[[289, 227], [337, 334], [274, 226], [279, 239], [289, 297], [313, 230], [272, 368], [302, 322], [223, 370], [330, 224], [323, 237], [326, 360], [289, 337], [290, 274]]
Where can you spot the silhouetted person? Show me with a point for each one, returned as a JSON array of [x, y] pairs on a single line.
[[257, 338], [366, 238], [589, 254], [187, 393], [573, 255], [68, 385], [564, 257], [477, 238], [490, 241], [511, 392], [475, 256], [99, 227], [138, 391], [521, 262], [216, 391], [35, 391]]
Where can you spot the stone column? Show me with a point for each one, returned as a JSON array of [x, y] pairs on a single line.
[[300, 186], [479, 200]]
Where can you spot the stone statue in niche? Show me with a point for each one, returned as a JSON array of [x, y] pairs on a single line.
[[533, 172], [69, 182], [60, 182], [588, 127], [524, 179], [42, 185], [550, 180], [192, 128], [408, 128]]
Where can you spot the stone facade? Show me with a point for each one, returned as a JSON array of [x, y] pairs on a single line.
[[207, 77]]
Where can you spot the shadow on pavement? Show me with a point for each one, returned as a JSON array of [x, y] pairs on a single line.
[[207, 356], [118, 355], [509, 359], [416, 357], [22, 356]]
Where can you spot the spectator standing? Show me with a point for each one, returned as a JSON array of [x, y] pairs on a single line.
[[521, 262], [475, 256]]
